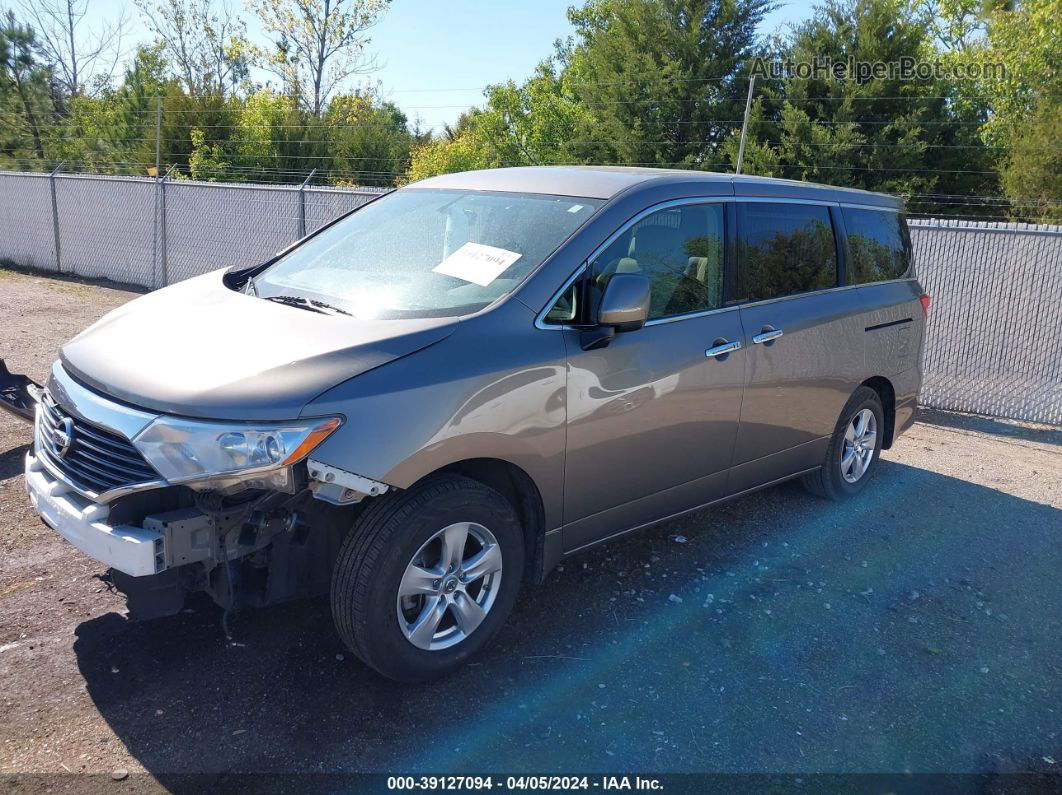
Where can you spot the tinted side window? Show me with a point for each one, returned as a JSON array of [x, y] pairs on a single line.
[[680, 251], [783, 249], [879, 247]]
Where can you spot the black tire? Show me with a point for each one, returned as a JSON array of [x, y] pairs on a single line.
[[828, 481], [374, 557]]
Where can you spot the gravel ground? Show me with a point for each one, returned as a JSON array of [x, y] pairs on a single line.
[[913, 629]]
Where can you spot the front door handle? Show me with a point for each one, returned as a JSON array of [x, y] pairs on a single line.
[[723, 349], [767, 335]]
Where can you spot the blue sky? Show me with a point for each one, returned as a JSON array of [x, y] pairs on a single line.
[[436, 56], [463, 45]]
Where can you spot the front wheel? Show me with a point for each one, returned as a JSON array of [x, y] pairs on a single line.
[[426, 577], [854, 448]]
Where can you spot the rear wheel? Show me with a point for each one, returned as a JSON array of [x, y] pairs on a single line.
[[427, 577], [854, 448]]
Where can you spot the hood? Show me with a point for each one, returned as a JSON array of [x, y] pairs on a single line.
[[199, 349]]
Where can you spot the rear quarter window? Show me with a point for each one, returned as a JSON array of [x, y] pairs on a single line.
[[879, 246]]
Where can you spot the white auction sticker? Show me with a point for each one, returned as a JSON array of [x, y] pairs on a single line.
[[477, 263]]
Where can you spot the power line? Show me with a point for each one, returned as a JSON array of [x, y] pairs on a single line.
[[669, 100], [372, 93], [665, 123], [928, 216], [808, 166], [956, 196], [1002, 204], [699, 166], [296, 176], [918, 145]]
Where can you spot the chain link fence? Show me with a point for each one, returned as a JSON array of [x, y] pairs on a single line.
[[992, 345], [154, 232], [27, 231]]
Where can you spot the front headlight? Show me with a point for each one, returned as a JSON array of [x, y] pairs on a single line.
[[183, 450]]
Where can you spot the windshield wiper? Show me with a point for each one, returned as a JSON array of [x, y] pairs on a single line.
[[319, 305], [291, 300], [309, 304]]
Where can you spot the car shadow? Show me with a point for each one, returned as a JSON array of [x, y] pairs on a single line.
[[13, 461], [903, 630]]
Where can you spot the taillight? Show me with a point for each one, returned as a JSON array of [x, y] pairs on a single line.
[[924, 301]]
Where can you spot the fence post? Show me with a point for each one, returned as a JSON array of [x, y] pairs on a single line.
[[158, 136], [162, 229], [301, 227], [155, 238], [55, 216]]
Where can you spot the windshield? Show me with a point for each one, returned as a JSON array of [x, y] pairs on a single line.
[[426, 253]]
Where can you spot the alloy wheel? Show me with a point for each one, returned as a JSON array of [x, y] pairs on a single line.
[[860, 439], [449, 586]]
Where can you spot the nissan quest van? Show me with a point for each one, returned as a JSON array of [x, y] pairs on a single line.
[[441, 395]]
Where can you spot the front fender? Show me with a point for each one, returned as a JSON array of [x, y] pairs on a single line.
[[496, 388]]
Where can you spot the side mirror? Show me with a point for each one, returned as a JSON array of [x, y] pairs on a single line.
[[625, 304], [624, 307]]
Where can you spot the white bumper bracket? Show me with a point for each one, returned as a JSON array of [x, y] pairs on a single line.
[[133, 550]]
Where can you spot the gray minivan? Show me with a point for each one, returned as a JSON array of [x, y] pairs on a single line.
[[442, 394]]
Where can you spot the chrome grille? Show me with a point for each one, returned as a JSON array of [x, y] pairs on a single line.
[[94, 460]]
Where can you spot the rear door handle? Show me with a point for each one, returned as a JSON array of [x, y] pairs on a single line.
[[767, 336], [723, 349]]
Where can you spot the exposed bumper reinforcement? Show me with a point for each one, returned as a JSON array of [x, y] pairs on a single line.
[[132, 550]]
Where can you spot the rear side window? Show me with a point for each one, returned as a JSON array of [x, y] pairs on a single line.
[[879, 247], [784, 249]]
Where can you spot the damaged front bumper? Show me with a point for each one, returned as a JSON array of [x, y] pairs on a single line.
[[244, 539], [160, 546], [135, 551], [18, 394]]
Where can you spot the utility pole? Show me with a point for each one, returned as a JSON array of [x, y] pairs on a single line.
[[745, 124]]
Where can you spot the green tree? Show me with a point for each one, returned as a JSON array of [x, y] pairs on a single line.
[[1026, 119], [540, 122], [1032, 172], [916, 137], [114, 130], [204, 41], [24, 87], [266, 125], [466, 151], [653, 82], [75, 51], [1026, 38], [956, 26], [665, 80], [206, 161], [318, 45], [371, 140]]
